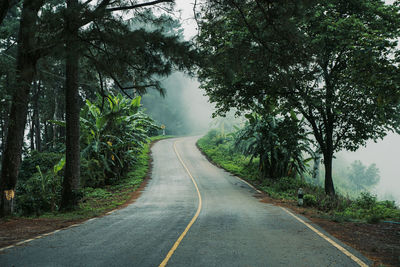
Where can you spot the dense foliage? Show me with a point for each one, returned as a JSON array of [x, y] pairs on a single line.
[[334, 63], [279, 143], [114, 134], [64, 53], [114, 131]]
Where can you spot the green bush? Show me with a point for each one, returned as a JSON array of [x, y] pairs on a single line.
[[288, 184], [366, 207], [92, 173], [365, 201], [113, 133], [46, 161], [40, 193], [99, 193], [310, 200]]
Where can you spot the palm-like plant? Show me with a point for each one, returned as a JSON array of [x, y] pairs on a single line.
[[278, 142], [113, 133]]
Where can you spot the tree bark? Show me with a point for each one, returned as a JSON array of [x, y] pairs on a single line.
[[25, 69], [31, 133], [54, 126], [46, 138], [36, 120], [5, 120], [317, 161], [71, 181], [328, 157], [329, 187]]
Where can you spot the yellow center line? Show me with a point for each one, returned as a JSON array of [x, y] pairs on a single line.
[[176, 244], [333, 243]]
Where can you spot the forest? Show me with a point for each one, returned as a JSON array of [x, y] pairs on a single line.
[[309, 78], [71, 79]]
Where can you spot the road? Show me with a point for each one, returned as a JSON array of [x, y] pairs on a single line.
[[223, 226]]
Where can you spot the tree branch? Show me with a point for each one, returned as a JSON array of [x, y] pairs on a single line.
[[138, 5]]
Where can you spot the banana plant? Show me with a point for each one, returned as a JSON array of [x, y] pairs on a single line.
[[113, 133], [279, 143]]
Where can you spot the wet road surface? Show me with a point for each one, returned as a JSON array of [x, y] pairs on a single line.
[[232, 229]]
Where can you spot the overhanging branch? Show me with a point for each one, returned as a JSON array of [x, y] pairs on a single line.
[[138, 5]]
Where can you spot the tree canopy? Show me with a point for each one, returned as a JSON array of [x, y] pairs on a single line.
[[334, 63], [58, 54]]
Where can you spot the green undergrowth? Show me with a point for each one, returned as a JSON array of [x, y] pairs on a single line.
[[223, 156], [365, 208], [97, 201]]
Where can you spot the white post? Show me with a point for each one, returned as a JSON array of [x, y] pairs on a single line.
[[300, 197]]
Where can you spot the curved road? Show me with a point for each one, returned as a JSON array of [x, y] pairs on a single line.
[[232, 229]]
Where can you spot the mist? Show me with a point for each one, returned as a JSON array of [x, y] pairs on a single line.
[[385, 154], [184, 109]]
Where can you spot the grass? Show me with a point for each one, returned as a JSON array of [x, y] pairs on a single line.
[[365, 208], [98, 201], [224, 157]]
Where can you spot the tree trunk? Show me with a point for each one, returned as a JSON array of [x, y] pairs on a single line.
[[25, 69], [272, 167], [31, 133], [36, 121], [54, 127], [5, 120], [61, 112], [2, 127], [70, 191], [46, 134], [317, 161], [328, 158], [328, 155], [329, 187]]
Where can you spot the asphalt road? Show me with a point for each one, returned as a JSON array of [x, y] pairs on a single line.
[[233, 228]]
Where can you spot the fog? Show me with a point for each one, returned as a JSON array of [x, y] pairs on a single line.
[[184, 109], [385, 153]]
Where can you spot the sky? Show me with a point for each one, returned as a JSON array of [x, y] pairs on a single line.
[[187, 20], [385, 153], [198, 111]]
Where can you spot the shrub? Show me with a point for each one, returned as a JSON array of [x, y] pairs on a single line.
[[45, 160], [366, 200], [92, 173], [99, 193], [367, 208], [40, 193], [310, 200], [113, 134], [288, 184]]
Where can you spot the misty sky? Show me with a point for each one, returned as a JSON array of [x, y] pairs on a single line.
[[187, 20]]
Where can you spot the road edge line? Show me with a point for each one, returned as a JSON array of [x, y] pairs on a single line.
[[333, 243], [249, 184], [179, 240]]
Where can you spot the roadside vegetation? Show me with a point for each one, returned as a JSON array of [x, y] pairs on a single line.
[[115, 140], [222, 149], [301, 72], [33, 200], [72, 120]]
